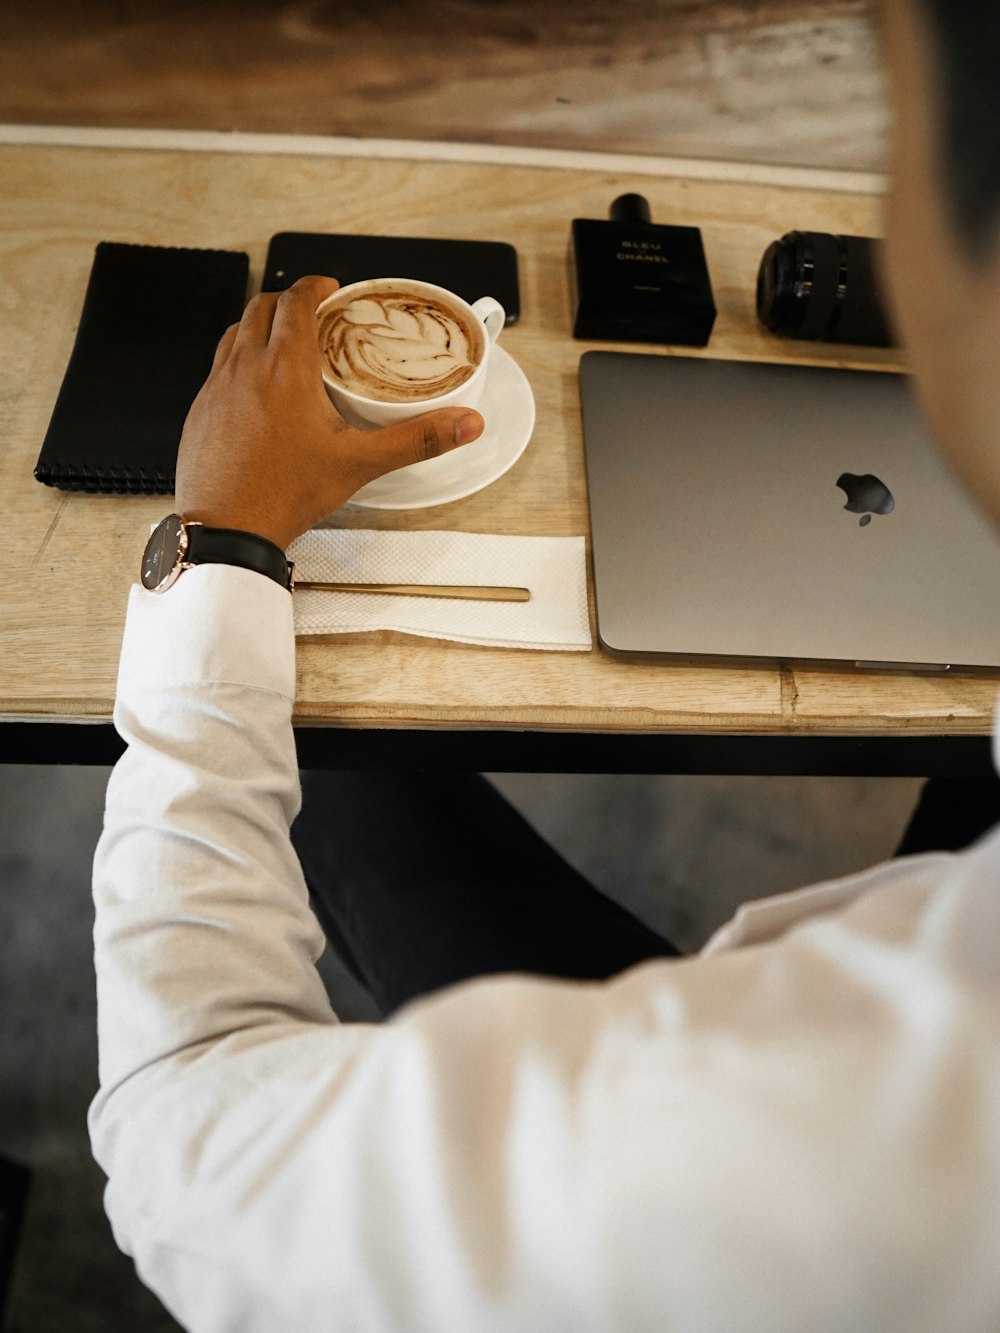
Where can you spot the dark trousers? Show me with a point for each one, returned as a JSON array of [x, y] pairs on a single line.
[[421, 880]]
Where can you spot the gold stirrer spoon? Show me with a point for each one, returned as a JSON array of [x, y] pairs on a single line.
[[470, 592]]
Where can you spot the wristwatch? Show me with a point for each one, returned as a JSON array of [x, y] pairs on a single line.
[[176, 545]]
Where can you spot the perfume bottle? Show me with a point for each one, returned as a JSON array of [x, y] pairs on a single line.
[[638, 281]]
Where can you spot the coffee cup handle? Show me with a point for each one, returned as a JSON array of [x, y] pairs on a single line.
[[492, 314]]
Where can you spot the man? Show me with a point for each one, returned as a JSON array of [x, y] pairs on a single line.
[[797, 1129]]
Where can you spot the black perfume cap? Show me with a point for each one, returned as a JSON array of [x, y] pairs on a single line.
[[631, 208], [640, 281]]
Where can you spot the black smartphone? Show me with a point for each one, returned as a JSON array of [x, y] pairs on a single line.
[[471, 269]]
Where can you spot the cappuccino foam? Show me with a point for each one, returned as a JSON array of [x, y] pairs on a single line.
[[397, 346]]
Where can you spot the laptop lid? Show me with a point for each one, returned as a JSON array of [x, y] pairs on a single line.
[[717, 503]]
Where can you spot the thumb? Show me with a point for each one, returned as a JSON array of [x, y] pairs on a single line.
[[420, 438]]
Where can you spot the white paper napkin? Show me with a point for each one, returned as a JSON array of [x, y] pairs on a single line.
[[552, 568]]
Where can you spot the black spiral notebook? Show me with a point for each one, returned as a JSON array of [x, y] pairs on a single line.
[[152, 318]]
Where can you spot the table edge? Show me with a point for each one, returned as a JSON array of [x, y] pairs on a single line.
[[435, 150], [563, 752], [558, 722]]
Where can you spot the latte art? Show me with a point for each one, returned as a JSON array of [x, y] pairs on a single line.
[[398, 347]]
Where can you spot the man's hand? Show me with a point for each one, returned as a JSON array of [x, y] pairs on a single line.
[[265, 450]]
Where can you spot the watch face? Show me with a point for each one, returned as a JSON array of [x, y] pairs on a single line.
[[161, 560]]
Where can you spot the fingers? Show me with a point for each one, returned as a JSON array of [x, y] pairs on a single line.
[[295, 316], [283, 317], [419, 438], [225, 346], [255, 327]]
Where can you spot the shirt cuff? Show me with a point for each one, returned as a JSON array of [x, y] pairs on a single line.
[[218, 624]]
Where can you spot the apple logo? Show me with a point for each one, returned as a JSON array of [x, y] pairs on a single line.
[[866, 495]]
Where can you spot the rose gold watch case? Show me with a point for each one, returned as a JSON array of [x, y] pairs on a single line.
[[152, 556]]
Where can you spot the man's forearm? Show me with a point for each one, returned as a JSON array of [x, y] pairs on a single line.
[[203, 926]]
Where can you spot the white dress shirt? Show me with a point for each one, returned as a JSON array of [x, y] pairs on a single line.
[[797, 1129]]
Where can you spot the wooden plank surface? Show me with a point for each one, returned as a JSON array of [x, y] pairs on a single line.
[[71, 559], [790, 81]]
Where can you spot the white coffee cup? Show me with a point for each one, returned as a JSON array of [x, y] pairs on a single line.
[[369, 413]]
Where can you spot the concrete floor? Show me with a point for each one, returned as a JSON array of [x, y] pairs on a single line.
[[679, 852]]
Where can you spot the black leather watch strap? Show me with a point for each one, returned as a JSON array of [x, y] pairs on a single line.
[[229, 546]]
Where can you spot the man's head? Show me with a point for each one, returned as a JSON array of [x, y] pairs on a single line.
[[943, 224], [966, 57]]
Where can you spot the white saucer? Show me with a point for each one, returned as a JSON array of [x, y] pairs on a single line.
[[508, 407]]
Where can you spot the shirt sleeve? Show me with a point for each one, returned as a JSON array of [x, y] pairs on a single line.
[[800, 1132]]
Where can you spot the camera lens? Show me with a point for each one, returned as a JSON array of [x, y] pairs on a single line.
[[812, 285]]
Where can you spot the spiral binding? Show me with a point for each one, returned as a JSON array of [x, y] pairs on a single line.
[[102, 481]]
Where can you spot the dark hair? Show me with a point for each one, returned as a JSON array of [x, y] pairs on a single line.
[[966, 38]]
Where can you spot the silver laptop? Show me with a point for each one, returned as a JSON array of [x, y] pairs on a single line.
[[779, 513]]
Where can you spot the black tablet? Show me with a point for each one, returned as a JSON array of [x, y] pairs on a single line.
[[471, 269]]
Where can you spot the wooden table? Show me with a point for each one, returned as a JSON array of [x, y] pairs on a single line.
[[69, 559]]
